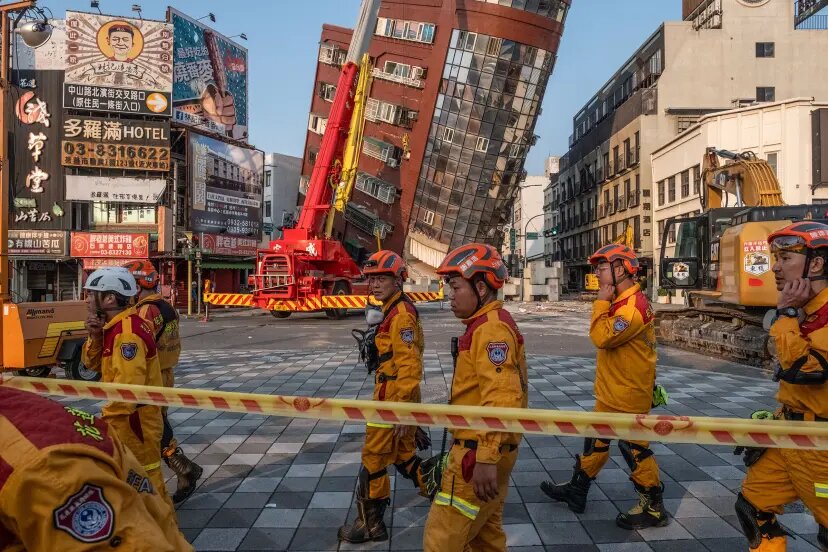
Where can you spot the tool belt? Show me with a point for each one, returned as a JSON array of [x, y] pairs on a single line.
[[472, 445], [382, 378], [792, 416]]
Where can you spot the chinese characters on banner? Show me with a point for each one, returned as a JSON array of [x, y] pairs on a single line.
[[223, 244], [209, 79], [37, 242], [116, 144], [114, 188], [118, 64], [110, 245], [226, 187]]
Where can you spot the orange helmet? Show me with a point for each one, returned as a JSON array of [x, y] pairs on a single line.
[[475, 258], [616, 252], [144, 273], [799, 237], [386, 262]]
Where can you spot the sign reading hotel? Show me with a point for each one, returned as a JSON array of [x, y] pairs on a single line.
[[115, 144], [110, 245], [117, 64]]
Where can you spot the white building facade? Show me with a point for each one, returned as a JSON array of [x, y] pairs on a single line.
[[281, 190]]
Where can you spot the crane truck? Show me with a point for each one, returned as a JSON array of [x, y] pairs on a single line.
[[722, 260]]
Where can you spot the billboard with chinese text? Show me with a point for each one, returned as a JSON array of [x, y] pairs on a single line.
[[110, 245], [225, 244], [114, 188], [115, 143], [118, 64], [209, 79], [40, 243], [226, 187]]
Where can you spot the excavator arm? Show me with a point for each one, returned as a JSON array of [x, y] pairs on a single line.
[[749, 178]]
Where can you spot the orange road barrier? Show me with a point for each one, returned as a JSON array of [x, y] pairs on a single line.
[[565, 423], [310, 304]]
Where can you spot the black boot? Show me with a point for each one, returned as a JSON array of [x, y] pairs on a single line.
[[573, 493], [649, 512], [188, 473], [369, 524]]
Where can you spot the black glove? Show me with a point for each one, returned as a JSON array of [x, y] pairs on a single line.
[[751, 454], [422, 439]]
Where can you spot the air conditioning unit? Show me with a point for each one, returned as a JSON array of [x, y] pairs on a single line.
[[393, 163]]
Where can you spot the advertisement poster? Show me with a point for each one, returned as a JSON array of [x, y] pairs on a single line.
[[114, 188], [115, 144], [210, 79], [223, 244], [118, 64], [110, 245], [226, 187], [37, 242]]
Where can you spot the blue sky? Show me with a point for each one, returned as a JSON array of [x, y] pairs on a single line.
[[283, 38]]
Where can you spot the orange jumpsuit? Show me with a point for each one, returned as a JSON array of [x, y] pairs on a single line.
[[782, 476], [67, 483], [399, 340], [490, 370], [624, 378], [128, 355]]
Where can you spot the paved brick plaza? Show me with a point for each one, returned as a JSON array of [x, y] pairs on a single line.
[[283, 484]]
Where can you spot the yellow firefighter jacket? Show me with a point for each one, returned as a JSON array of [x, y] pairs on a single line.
[[804, 345], [490, 371], [400, 345], [168, 341], [68, 483], [624, 334]]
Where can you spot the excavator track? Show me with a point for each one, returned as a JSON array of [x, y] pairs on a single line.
[[724, 333]]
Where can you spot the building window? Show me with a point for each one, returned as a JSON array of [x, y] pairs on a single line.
[[379, 150], [696, 179], [312, 155], [317, 124], [685, 184], [615, 160], [764, 49], [660, 230], [331, 54], [637, 148], [517, 151], [466, 41], [374, 187], [671, 235], [304, 183], [765, 94], [493, 47], [448, 135], [405, 30], [482, 144], [628, 152], [772, 161], [267, 209], [671, 189], [428, 217], [327, 91], [661, 192], [268, 177]]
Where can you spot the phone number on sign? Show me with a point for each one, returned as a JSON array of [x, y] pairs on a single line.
[[90, 154]]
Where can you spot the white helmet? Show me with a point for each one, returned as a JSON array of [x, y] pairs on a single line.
[[113, 278]]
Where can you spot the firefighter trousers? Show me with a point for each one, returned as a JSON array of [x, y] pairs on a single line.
[[637, 454], [458, 521], [782, 476], [141, 433], [381, 451], [168, 441]]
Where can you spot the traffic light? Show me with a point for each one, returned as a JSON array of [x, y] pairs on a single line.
[[551, 232]]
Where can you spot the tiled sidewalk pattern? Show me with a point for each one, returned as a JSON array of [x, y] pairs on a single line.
[[287, 484]]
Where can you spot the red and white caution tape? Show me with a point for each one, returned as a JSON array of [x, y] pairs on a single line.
[[565, 423]]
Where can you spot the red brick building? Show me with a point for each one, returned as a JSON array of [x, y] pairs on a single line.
[[456, 93]]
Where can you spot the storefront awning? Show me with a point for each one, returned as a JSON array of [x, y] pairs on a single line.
[[230, 265]]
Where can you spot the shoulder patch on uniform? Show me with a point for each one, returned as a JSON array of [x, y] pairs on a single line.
[[620, 324], [140, 483], [129, 350], [498, 350], [86, 515], [407, 335]]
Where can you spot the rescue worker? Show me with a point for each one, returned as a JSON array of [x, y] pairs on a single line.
[[399, 349], [799, 345], [69, 484], [622, 330], [164, 321], [122, 344], [490, 370]]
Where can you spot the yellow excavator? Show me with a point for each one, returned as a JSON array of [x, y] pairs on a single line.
[[626, 238], [722, 260]]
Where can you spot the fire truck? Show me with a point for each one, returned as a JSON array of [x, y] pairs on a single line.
[[306, 270]]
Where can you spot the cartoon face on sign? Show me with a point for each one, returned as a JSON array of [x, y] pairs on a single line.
[[120, 41], [757, 263], [681, 271]]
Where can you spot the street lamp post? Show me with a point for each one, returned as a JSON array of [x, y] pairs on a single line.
[[5, 75], [525, 254]]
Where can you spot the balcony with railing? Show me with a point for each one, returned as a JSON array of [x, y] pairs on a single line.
[[366, 221], [331, 54], [414, 82], [376, 188], [633, 199], [621, 203]]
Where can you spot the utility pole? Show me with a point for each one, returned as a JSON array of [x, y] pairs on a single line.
[[5, 74]]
